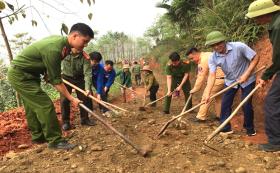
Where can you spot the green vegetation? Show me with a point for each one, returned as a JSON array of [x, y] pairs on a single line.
[[187, 22]]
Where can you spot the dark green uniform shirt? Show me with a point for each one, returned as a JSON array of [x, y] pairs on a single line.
[[77, 66], [274, 36], [125, 78], [150, 80], [136, 69], [178, 71], [44, 56]]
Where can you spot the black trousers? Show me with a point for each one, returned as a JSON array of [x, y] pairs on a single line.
[[272, 112], [153, 94], [65, 103], [137, 79], [104, 97]]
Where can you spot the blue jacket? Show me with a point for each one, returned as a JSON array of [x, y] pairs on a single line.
[[101, 78]]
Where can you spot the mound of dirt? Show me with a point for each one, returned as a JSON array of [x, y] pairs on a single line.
[[14, 131]]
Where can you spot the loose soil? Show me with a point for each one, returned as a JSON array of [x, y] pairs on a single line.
[[180, 149]]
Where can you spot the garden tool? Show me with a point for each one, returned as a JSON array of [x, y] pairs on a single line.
[[143, 152], [213, 134], [164, 127], [90, 96]]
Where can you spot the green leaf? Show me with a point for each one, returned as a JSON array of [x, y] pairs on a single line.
[[23, 15], [16, 16], [64, 28], [34, 22], [90, 16], [10, 6], [81, 1]]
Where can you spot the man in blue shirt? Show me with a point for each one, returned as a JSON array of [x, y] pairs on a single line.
[[237, 61], [103, 76]]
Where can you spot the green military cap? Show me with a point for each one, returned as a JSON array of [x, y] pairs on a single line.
[[261, 7], [214, 37]]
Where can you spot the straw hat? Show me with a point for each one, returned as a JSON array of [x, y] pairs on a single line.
[[126, 66], [147, 68]]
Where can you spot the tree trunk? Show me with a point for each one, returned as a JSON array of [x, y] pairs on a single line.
[[9, 53]]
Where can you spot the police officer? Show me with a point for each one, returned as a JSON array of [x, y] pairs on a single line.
[[77, 70], [201, 59], [264, 12], [136, 71], [42, 57], [177, 74]]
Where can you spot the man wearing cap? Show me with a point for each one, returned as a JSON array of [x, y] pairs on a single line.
[[266, 12], [151, 84], [44, 57], [177, 75], [136, 73], [201, 59], [76, 70], [125, 79], [237, 61]]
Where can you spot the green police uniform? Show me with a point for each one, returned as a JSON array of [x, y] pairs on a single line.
[[177, 74], [125, 78], [151, 85], [41, 57], [77, 70], [136, 71]]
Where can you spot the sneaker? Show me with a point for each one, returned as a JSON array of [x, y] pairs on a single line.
[[39, 141], [197, 120], [87, 122], [269, 147], [251, 132], [166, 112], [64, 145], [66, 126], [223, 133]]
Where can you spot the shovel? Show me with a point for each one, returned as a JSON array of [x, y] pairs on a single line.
[[164, 127], [90, 96], [213, 134], [143, 152], [143, 107], [184, 108]]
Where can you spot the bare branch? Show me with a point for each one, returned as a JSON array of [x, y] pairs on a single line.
[[16, 12], [50, 5]]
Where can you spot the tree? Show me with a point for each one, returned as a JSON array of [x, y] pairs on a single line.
[[12, 13]]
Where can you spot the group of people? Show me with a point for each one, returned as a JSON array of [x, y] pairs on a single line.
[[62, 58], [229, 63]]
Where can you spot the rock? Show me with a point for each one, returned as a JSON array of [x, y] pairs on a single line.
[[152, 121], [66, 158], [74, 166], [184, 132], [81, 148], [221, 163], [271, 164], [240, 170], [267, 159], [11, 155], [203, 150], [251, 156], [23, 146], [96, 148], [81, 169], [227, 141]]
